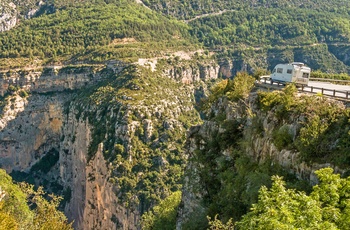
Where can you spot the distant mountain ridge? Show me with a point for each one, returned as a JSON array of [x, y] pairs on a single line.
[[91, 30]]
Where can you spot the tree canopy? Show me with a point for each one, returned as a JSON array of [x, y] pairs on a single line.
[[22, 207], [327, 207]]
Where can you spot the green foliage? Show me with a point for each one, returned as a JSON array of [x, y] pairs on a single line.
[[260, 72], [148, 165], [231, 181], [39, 215], [94, 31], [284, 26], [281, 102], [235, 89], [282, 138], [22, 93], [12, 88], [187, 10], [324, 133], [240, 87], [46, 215], [162, 216], [46, 162], [216, 224], [319, 74], [216, 91], [324, 129], [14, 204], [7, 222], [327, 207]]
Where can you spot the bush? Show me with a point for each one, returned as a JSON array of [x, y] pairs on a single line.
[[282, 138], [162, 216], [235, 89], [240, 87]]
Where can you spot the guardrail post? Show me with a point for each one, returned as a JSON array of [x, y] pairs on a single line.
[[334, 93], [347, 94], [322, 90], [302, 88], [312, 89]]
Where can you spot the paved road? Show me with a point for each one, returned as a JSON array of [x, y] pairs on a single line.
[[326, 88], [328, 85]]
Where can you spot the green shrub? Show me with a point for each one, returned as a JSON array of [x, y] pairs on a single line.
[[235, 89], [162, 216], [282, 138], [240, 86], [46, 162], [281, 102]]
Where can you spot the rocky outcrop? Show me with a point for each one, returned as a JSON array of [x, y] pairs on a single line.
[[8, 16], [98, 138], [257, 135], [94, 203], [262, 147], [11, 14], [30, 127], [56, 78], [190, 72]]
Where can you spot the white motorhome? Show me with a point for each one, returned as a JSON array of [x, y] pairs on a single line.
[[295, 72]]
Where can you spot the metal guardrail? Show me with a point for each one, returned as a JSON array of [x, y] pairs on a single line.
[[341, 94], [329, 80], [327, 92]]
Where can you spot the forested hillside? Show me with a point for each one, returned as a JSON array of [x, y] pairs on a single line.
[[189, 9], [95, 31], [109, 103], [261, 28]]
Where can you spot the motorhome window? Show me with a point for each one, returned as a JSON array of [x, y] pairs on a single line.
[[274, 70], [279, 70], [289, 71], [305, 75]]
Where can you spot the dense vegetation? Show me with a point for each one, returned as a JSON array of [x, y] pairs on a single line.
[[270, 27], [147, 163], [21, 207], [319, 74], [326, 207], [187, 10], [324, 136], [229, 178], [162, 216], [97, 32]]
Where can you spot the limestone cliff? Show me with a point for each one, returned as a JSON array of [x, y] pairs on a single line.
[[241, 145], [106, 138], [8, 16], [12, 11]]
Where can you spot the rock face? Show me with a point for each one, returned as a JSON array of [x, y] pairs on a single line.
[[55, 78], [30, 127], [11, 14], [94, 203], [190, 72], [69, 111], [8, 16], [257, 136]]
